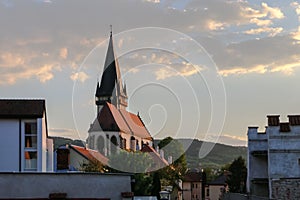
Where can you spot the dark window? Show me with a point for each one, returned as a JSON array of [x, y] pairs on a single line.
[[63, 159]]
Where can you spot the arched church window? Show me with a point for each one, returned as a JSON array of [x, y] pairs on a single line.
[[113, 145], [101, 144], [132, 143]]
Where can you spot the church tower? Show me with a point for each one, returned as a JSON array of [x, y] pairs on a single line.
[[111, 87]]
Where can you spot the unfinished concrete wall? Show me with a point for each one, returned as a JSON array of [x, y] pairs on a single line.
[[75, 185]]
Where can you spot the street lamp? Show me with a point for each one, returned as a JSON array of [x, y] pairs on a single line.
[[164, 195]]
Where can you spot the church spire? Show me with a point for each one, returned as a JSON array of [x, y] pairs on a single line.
[[111, 88]]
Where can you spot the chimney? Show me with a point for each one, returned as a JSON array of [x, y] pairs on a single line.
[[294, 120], [170, 159], [162, 154], [285, 127], [273, 120]]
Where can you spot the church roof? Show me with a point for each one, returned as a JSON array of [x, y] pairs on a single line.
[[111, 73], [112, 119], [22, 108]]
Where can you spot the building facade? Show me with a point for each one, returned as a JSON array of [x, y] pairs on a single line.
[[25, 145], [114, 127], [192, 187], [273, 158]]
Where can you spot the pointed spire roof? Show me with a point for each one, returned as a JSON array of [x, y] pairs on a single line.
[[111, 73]]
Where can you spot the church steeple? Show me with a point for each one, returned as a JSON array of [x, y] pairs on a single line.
[[111, 87]]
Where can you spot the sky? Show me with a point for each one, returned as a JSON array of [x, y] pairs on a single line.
[[193, 69]]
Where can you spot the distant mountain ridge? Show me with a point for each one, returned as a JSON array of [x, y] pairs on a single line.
[[220, 155]]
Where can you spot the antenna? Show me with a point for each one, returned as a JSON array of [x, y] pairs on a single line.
[[110, 30]]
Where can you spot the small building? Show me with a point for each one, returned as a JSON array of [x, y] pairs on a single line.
[[192, 185], [216, 188], [73, 158], [274, 159], [24, 144]]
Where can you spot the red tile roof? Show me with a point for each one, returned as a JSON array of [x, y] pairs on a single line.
[[157, 160], [90, 154], [118, 119], [112, 119], [135, 124]]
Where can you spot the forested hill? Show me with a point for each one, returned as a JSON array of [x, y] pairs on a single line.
[[220, 155]]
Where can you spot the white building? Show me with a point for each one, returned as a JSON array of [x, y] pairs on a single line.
[[274, 159], [24, 143]]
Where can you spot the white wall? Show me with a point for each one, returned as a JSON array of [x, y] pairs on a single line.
[[9, 145]]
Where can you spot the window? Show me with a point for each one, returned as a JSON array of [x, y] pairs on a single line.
[[30, 135], [207, 192], [30, 151]]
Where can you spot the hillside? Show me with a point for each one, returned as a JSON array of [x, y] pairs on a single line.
[[59, 141], [220, 155]]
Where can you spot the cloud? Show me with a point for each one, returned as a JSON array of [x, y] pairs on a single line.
[[63, 132], [261, 22], [272, 12], [183, 69], [80, 76], [228, 139], [287, 69], [272, 31], [260, 69], [255, 55], [213, 25], [296, 5], [63, 53], [8, 59], [296, 35]]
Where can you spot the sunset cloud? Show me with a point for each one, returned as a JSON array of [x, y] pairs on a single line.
[[272, 31], [63, 53], [79, 76]]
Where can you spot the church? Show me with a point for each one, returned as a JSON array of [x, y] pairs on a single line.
[[114, 127]]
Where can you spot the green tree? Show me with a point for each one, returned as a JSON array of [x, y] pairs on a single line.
[[177, 169], [92, 166], [156, 184], [134, 162], [143, 184], [237, 180]]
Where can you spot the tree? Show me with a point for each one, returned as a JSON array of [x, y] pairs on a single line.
[[177, 169], [134, 162], [237, 180], [156, 184], [92, 166]]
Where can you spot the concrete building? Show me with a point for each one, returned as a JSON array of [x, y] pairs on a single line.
[[24, 144], [274, 159], [93, 186]]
